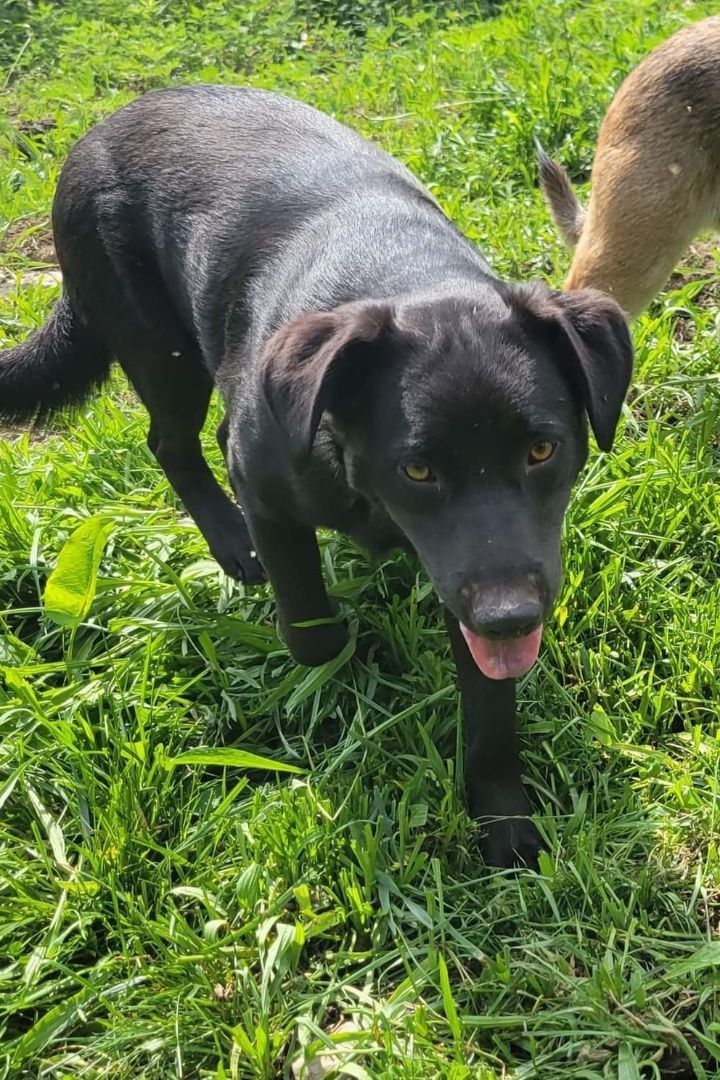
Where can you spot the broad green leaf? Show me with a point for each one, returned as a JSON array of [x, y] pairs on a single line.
[[707, 956], [229, 756], [70, 589], [448, 1002], [627, 1065], [52, 1023], [53, 830]]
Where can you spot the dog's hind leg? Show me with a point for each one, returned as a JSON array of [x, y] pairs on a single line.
[[130, 309], [638, 225], [175, 388], [121, 301]]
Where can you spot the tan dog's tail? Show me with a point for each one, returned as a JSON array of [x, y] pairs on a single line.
[[565, 207]]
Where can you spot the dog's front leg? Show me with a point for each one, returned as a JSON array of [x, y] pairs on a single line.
[[290, 557], [492, 764]]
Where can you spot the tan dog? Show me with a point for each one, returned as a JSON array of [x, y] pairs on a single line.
[[656, 174]]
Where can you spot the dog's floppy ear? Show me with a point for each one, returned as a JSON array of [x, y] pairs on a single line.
[[591, 342], [603, 354], [317, 363]]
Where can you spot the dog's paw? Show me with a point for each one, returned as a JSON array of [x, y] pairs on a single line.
[[315, 645], [230, 545], [240, 562], [250, 567], [511, 843]]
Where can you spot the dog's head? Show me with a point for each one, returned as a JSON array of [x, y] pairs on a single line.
[[464, 417]]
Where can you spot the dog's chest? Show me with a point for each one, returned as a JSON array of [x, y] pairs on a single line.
[[336, 505], [373, 530], [361, 520]]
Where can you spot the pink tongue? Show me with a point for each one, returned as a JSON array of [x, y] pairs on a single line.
[[503, 659]]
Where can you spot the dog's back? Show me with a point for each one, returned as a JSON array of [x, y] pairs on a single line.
[[680, 81], [181, 172], [261, 181]]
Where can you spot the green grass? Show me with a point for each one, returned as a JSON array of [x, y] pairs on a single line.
[[204, 920]]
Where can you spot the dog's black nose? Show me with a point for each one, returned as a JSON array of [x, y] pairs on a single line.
[[508, 617]]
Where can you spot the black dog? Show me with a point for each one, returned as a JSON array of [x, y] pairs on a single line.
[[378, 378]]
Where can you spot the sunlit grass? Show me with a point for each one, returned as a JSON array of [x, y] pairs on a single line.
[[196, 920]]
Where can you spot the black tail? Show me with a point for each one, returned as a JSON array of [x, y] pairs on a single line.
[[59, 364]]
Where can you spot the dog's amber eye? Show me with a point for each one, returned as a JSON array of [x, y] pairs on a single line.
[[541, 451], [421, 474]]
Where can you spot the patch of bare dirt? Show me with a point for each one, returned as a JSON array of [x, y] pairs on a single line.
[[31, 238], [46, 278], [701, 263], [11, 432], [36, 128]]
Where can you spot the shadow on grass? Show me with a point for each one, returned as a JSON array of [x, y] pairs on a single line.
[[358, 15]]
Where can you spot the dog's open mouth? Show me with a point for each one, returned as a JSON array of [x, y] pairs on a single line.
[[504, 659]]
